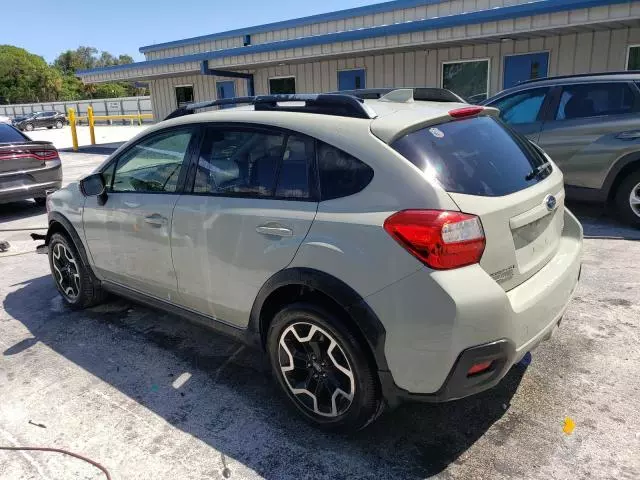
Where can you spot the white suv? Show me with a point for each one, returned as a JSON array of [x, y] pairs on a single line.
[[379, 251]]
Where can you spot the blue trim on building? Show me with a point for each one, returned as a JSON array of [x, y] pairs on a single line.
[[296, 22], [491, 15]]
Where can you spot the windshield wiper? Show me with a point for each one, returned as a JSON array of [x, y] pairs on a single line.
[[537, 171]]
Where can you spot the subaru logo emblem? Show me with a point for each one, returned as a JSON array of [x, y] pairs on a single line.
[[550, 202]]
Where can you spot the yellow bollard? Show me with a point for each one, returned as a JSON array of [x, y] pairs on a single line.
[[74, 133], [92, 125]]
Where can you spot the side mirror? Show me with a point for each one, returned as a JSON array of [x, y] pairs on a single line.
[[93, 185]]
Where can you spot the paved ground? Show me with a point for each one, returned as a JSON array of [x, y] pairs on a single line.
[[150, 396], [104, 134]]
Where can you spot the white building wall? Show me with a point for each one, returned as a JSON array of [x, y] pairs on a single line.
[[568, 54], [163, 93], [428, 10]]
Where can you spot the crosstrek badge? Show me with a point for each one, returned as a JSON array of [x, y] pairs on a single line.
[[436, 132]]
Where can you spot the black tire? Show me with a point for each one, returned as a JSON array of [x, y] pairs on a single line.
[[59, 124], [29, 127], [366, 403], [41, 201], [623, 199], [89, 292], [49, 127]]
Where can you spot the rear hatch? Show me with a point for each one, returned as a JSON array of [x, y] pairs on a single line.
[[498, 175]]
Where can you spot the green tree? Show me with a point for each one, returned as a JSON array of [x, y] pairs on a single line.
[[25, 77]]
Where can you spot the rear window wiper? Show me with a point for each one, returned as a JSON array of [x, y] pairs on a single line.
[[537, 171]]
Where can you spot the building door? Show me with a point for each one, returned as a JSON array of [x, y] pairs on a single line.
[[351, 79], [226, 90], [519, 68]]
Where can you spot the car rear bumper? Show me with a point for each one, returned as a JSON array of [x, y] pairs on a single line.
[[439, 324], [39, 182]]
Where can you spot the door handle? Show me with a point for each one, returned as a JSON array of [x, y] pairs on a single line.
[[131, 204], [156, 220], [275, 230]]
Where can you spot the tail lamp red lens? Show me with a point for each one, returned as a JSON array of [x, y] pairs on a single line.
[[18, 153], [465, 112], [440, 239]]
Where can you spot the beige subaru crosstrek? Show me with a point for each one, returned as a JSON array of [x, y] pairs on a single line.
[[379, 251]]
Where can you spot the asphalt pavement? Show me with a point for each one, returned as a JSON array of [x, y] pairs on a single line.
[[150, 396]]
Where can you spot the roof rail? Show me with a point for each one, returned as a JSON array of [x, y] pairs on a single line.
[[326, 104], [581, 75], [420, 94]]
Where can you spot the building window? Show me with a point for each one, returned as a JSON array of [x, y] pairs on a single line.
[[282, 85], [184, 95], [469, 79], [247, 40], [633, 58]]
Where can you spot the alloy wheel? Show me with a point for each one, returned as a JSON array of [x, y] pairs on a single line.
[[316, 369], [67, 275], [634, 199]]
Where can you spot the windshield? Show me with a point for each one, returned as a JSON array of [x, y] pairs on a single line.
[[476, 156]]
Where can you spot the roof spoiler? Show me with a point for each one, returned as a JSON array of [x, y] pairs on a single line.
[[420, 94]]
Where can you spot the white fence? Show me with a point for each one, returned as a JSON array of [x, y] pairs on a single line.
[[102, 106]]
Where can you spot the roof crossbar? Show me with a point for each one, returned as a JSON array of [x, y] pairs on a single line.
[[327, 104]]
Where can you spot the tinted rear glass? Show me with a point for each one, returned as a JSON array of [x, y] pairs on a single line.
[[477, 156], [9, 134]]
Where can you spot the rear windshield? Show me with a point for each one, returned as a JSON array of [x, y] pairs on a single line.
[[8, 134], [476, 156]]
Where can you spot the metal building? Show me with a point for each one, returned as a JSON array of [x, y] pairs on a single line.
[[474, 47]]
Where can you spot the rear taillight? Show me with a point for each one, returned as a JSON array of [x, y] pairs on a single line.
[[43, 155], [440, 239]]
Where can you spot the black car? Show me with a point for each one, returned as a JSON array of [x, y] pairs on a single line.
[[34, 120], [28, 168]]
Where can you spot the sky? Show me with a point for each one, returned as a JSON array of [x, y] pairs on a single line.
[[48, 27]]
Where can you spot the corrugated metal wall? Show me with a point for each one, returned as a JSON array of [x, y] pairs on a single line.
[[434, 9], [420, 39], [568, 54], [163, 93], [574, 53]]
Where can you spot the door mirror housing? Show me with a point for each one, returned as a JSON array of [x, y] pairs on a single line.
[[93, 185]]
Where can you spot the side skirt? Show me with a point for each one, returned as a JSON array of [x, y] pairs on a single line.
[[236, 333]]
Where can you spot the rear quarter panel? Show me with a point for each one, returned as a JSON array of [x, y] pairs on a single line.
[[347, 239]]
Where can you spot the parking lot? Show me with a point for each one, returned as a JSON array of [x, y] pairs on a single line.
[[148, 395]]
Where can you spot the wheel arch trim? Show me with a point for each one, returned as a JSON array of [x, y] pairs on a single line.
[[55, 217], [613, 175], [364, 319]]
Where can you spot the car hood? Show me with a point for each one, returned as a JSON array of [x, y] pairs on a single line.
[[20, 119]]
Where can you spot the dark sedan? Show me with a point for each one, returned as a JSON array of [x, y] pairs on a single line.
[[28, 168], [35, 120]]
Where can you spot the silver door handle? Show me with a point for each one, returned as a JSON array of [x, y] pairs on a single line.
[[131, 204], [156, 220], [275, 230]]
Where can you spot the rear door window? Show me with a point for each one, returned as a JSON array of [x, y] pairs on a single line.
[[595, 99], [341, 174], [476, 156]]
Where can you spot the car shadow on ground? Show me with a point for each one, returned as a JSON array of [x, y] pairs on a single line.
[[598, 221], [20, 210], [231, 400]]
